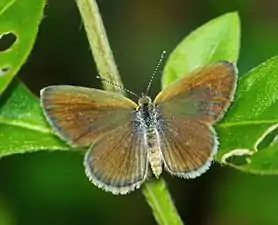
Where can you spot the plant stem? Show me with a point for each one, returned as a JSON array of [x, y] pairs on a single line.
[[156, 192], [99, 44], [159, 198]]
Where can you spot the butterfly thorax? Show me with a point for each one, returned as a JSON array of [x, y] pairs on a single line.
[[147, 116]]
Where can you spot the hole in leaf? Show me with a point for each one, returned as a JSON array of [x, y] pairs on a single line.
[[6, 41], [238, 160], [270, 139], [4, 70]]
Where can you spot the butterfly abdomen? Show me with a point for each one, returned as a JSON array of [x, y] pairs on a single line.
[[154, 153]]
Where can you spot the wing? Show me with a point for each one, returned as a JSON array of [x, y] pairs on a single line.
[[188, 108], [79, 115], [204, 94], [187, 146], [117, 161]]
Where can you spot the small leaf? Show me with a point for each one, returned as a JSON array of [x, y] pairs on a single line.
[[19, 21], [218, 39], [250, 119], [22, 125]]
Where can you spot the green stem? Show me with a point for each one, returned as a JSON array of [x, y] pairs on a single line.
[[156, 193], [99, 44], [159, 198]]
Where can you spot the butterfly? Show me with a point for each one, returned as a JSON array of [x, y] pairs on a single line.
[[128, 141]]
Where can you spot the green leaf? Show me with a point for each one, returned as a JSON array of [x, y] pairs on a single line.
[[245, 129], [23, 127], [218, 39], [19, 19]]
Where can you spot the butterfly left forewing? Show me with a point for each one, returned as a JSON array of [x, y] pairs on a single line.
[[79, 114]]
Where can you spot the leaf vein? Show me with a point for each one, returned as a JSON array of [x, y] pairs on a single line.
[[244, 123], [8, 5], [34, 127]]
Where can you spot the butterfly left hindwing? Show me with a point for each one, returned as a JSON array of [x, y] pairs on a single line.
[[117, 161]]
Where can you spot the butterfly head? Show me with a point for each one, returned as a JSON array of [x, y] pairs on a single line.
[[144, 100]]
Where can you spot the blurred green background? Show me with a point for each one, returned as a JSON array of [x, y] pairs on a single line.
[[51, 187]]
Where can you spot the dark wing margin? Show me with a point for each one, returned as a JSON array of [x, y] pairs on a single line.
[[79, 115], [187, 147], [117, 161], [204, 94]]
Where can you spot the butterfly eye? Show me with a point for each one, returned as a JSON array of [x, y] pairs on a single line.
[[144, 100]]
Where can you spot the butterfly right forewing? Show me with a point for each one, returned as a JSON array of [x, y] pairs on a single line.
[[204, 94]]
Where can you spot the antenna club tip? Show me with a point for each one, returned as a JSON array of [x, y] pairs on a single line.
[[101, 78]]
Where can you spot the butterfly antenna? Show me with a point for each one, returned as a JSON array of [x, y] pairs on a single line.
[[118, 86], [155, 72]]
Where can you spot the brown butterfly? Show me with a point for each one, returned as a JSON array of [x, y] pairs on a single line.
[[127, 139]]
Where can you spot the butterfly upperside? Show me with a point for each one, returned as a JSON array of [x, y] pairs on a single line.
[[124, 138]]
